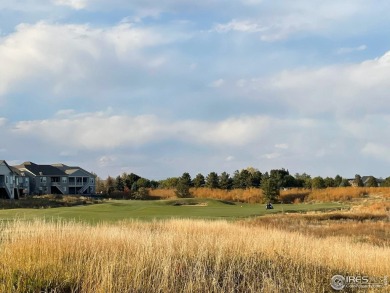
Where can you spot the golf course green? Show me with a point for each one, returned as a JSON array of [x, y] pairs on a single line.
[[118, 210]]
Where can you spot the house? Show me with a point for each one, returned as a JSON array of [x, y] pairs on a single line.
[[365, 180], [79, 180], [7, 181], [22, 182], [57, 179], [44, 179]]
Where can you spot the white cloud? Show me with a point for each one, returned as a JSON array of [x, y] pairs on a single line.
[[106, 161], [240, 26], [285, 19], [377, 150], [3, 121], [348, 50], [59, 57], [283, 146], [99, 131], [217, 83], [272, 156], [340, 90], [75, 4], [230, 158]]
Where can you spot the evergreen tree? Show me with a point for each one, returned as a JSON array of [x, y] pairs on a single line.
[[225, 182], [119, 184], [198, 181], [372, 182], [186, 178], [270, 188], [183, 186], [338, 180], [212, 180]]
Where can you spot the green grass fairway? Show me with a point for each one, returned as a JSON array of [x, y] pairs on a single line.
[[117, 210]]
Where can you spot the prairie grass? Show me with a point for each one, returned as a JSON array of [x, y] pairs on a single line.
[[162, 193], [294, 195], [176, 256], [251, 195], [357, 226]]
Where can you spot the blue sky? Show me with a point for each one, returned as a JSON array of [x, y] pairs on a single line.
[[159, 88]]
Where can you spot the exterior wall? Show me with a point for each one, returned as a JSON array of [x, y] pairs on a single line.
[[7, 180], [81, 182], [22, 183], [27, 180]]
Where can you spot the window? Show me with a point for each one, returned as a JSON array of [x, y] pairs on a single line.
[[43, 179], [6, 179], [91, 180], [64, 180]]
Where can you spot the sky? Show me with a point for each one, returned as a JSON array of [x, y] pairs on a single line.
[[159, 88]]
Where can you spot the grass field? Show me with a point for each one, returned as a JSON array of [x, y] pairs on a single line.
[[117, 210], [194, 245]]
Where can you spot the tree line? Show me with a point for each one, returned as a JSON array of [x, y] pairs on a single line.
[[270, 182]]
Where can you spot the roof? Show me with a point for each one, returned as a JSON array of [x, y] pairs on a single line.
[[71, 169], [15, 170], [41, 170], [3, 162]]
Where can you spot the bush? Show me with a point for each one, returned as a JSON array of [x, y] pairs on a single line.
[[142, 193]]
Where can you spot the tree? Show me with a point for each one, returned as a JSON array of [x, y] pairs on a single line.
[[142, 182], [318, 183], [358, 181], [236, 180], [130, 179], [303, 180], [386, 183], [170, 182], [186, 178], [109, 185], [246, 178], [212, 180], [345, 183], [279, 176], [119, 184], [270, 188], [142, 193], [225, 182], [198, 181], [256, 178], [100, 188], [329, 182], [289, 181], [183, 186], [338, 180], [372, 182]]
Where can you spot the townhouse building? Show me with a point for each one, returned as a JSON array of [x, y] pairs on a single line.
[[13, 183], [34, 179]]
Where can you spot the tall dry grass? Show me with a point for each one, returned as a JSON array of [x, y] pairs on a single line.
[[294, 195], [176, 256], [250, 195]]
